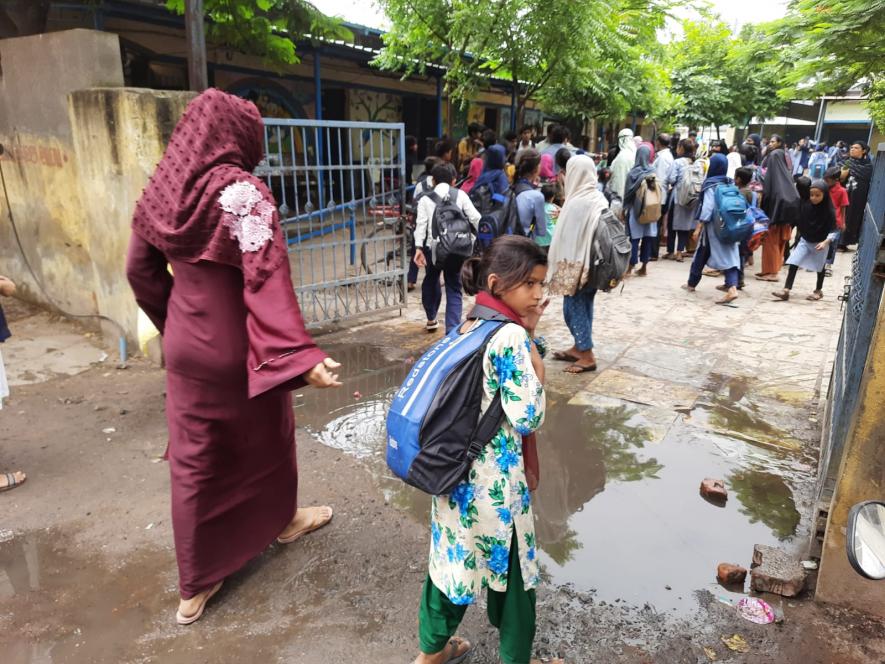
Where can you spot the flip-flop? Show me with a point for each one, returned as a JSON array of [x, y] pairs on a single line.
[[455, 658], [562, 356], [814, 297], [189, 620], [306, 531], [11, 482], [579, 368]]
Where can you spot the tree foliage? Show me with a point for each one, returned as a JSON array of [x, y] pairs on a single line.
[[266, 28], [563, 51], [721, 78], [834, 45]]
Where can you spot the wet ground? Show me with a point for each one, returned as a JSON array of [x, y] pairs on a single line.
[[685, 390]]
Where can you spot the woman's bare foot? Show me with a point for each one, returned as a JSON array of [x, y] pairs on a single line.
[[643, 271], [690, 289], [570, 355], [7, 286], [11, 480], [584, 361], [456, 650], [306, 520], [191, 610], [730, 296], [815, 296]]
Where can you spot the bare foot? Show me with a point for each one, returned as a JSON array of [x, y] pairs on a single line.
[[7, 286], [306, 520], [690, 289], [191, 610], [643, 271], [456, 649], [11, 480], [730, 296]]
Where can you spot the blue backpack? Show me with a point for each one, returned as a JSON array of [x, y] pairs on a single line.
[[434, 431], [730, 219]]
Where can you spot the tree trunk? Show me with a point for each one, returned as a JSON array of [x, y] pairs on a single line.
[[20, 18], [717, 132]]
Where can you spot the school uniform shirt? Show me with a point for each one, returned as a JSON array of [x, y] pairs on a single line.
[[722, 256], [530, 210], [683, 215], [664, 165], [472, 528], [426, 207]]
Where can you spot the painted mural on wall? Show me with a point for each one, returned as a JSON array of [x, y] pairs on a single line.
[[369, 106]]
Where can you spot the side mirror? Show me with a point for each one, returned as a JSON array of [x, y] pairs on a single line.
[[865, 539]]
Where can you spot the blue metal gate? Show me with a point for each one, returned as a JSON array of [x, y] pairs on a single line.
[[340, 187], [862, 294]]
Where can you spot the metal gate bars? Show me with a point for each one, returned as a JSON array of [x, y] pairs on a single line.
[[340, 188], [863, 290]]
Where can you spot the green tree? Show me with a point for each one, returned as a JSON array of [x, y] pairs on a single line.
[[834, 45], [266, 28], [724, 79], [550, 49]]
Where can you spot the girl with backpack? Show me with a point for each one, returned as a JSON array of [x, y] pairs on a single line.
[[817, 231], [483, 534], [571, 258], [633, 205], [681, 216], [529, 200], [711, 251]]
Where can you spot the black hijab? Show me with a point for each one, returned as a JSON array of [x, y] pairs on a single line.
[[780, 200], [816, 222]]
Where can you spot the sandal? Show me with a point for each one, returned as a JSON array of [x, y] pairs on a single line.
[[182, 619], [767, 277], [12, 481], [314, 525], [781, 295], [563, 356], [729, 298], [579, 369], [815, 296], [454, 643]]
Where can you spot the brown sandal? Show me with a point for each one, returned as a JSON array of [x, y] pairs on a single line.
[[815, 296]]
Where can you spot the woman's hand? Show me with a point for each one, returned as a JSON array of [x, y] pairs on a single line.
[[821, 246], [420, 258], [321, 375]]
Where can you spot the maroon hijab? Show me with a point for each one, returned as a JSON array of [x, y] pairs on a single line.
[[203, 203]]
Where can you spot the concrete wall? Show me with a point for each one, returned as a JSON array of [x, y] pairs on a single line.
[[80, 149], [861, 477], [119, 135], [38, 166]]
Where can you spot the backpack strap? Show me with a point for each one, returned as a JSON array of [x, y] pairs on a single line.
[[434, 223], [483, 312], [486, 428]]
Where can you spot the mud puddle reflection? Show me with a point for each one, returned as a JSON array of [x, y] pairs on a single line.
[[618, 511]]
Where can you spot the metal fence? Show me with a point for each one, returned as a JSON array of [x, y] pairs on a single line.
[[340, 191], [861, 297]]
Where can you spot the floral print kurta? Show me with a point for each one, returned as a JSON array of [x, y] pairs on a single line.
[[472, 529]]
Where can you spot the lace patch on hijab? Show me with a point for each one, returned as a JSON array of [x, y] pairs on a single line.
[[247, 215]]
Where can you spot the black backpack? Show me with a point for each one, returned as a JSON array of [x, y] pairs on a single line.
[[434, 428], [499, 215], [611, 253], [451, 234], [421, 190]]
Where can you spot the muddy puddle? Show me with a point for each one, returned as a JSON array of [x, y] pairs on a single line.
[[618, 509]]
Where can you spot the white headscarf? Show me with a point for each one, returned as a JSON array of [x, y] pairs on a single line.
[[623, 162], [571, 252]]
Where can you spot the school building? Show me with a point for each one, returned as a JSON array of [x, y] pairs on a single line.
[[333, 81]]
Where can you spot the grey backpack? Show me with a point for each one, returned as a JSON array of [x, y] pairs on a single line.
[[611, 253]]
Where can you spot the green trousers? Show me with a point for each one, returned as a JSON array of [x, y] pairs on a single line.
[[512, 612]]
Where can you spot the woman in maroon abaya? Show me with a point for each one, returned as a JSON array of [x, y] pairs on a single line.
[[234, 344]]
